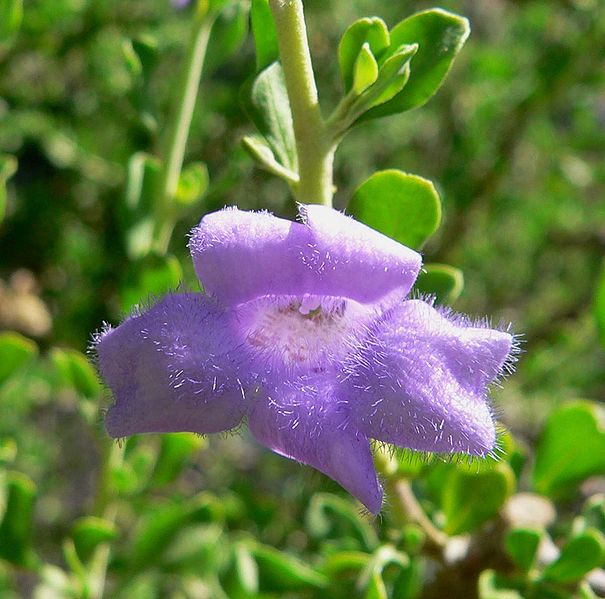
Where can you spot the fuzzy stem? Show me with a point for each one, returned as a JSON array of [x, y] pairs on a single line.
[[314, 147], [172, 150]]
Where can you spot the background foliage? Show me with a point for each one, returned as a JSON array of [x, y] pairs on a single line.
[[514, 142]]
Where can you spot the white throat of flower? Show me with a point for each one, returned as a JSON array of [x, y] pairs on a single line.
[[302, 332]]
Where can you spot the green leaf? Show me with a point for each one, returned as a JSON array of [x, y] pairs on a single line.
[[329, 514], [384, 556], [404, 207], [562, 461], [15, 352], [365, 71], [522, 544], [259, 150], [150, 277], [132, 59], [585, 591], [280, 572], [8, 167], [146, 48], [266, 102], [16, 526], [393, 75], [599, 305], [11, 15], [197, 549], [143, 177], [494, 586], [76, 371], [8, 451], [469, 500], [241, 580], [89, 532], [376, 588], [193, 184], [228, 33], [580, 554], [159, 526], [408, 585], [265, 36], [345, 561], [175, 450], [593, 512], [440, 35], [442, 281], [371, 31]]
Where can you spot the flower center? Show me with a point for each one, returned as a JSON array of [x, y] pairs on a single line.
[[308, 332]]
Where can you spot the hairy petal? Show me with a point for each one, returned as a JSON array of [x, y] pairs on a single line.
[[176, 367], [305, 421], [240, 256], [422, 382]]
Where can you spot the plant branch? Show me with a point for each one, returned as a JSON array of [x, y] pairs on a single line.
[[173, 149], [314, 146]]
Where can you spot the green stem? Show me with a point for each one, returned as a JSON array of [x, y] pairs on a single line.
[[314, 146], [406, 506], [173, 148]]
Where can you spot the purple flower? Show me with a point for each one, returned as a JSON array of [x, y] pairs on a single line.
[[305, 329]]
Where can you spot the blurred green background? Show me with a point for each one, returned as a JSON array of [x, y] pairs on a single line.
[[515, 144]]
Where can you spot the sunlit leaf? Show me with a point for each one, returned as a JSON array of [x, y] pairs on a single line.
[[365, 71], [371, 31], [402, 206], [440, 35]]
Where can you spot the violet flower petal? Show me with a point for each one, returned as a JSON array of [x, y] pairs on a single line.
[[422, 383], [306, 422], [174, 368], [240, 256]]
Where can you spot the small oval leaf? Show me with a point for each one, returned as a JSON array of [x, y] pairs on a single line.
[[469, 500], [404, 207]]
